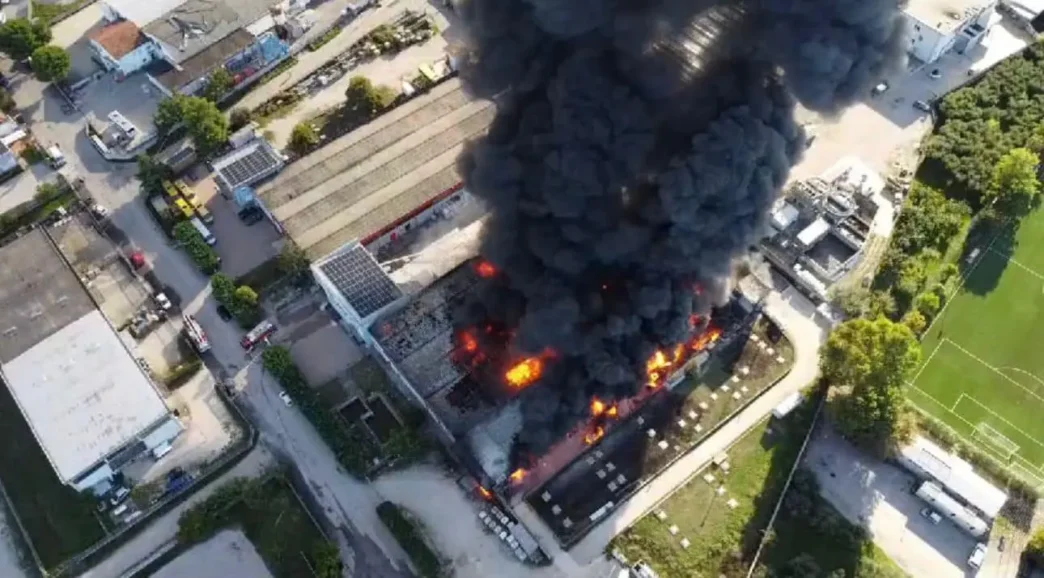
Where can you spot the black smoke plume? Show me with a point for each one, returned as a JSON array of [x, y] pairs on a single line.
[[637, 148]]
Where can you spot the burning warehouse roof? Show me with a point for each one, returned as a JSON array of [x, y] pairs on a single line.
[[636, 150]]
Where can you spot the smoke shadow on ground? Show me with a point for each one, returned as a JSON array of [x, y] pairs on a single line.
[[986, 255]]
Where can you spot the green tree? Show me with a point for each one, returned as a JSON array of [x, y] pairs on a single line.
[[223, 288], [245, 297], [51, 63], [238, 118], [218, 85], [46, 191], [1035, 546], [362, 97], [867, 363], [1015, 182], [292, 260], [207, 127], [7, 102], [168, 114], [916, 321], [19, 37], [928, 304], [327, 559], [303, 138], [152, 173]]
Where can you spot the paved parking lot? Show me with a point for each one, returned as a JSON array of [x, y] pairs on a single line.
[[241, 247], [880, 497], [228, 553], [886, 130]]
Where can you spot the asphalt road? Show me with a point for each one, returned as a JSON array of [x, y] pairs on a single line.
[[350, 505]]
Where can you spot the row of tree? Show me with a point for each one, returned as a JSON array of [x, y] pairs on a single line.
[[22, 39]]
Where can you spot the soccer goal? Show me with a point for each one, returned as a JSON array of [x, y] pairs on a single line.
[[995, 441]]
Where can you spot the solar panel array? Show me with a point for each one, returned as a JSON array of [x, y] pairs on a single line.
[[252, 166], [358, 277]]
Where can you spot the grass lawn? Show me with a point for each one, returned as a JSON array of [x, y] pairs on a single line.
[[269, 514], [983, 374], [764, 370], [52, 12], [60, 521], [722, 540], [760, 462]]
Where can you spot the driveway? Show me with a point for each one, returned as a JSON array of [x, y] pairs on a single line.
[[880, 497]]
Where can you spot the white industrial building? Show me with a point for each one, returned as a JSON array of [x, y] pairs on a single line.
[[956, 476], [89, 404], [934, 27]]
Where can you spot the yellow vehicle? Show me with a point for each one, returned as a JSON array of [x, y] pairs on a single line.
[[171, 190], [184, 207], [187, 192]]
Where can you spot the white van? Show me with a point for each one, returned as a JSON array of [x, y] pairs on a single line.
[[204, 231], [55, 157], [977, 557]]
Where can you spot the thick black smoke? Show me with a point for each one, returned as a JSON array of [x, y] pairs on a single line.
[[637, 149]]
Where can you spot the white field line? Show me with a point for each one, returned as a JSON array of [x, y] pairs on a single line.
[[971, 270], [930, 356], [995, 370], [1009, 424], [1015, 262]]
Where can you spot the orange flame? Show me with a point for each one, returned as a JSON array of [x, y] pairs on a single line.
[[597, 407], [707, 338], [485, 269], [517, 476], [594, 435], [469, 342], [613, 411], [485, 493], [525, 372], [657, 362]]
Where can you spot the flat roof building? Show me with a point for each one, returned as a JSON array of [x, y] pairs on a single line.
[[86, 399]]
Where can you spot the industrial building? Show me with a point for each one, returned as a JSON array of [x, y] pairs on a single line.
[[819, 229], [936, 27], [932, 463], [405, 312], [358, 184], [89, 404]]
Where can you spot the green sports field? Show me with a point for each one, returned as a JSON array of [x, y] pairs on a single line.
[[983, 368]]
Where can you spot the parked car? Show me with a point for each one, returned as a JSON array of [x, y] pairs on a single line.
[[224, 313], [119, 495], [283, 395], [935, 73], [932, 515], [162, 301], [922, 106], [879, 89], [977, 557]]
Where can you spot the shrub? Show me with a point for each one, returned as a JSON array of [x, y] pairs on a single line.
[[242, 302], [181, 373], [303, 138], [410, 538], [238, 118]]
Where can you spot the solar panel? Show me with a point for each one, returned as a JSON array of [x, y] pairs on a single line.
[[358, 277], [250, 167]]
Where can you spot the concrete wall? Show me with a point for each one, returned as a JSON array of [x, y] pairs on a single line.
[[137, 59], [926, 43]]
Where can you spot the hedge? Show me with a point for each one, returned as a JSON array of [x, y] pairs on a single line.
[[192, 242], [410, 538], [181, 373], [353, 448]]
